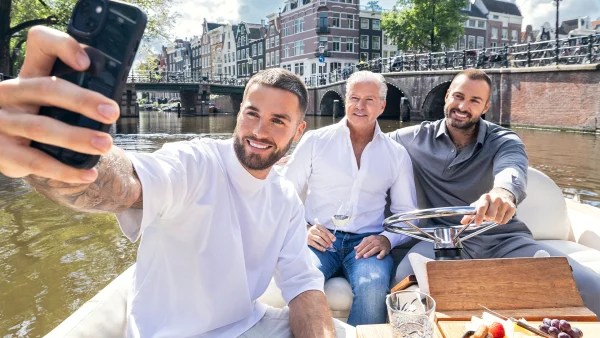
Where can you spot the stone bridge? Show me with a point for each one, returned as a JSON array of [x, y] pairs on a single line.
[[566, 97]]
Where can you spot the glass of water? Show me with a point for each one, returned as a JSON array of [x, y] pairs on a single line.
[[411, 314]]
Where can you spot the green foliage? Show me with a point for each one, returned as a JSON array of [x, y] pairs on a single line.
[[411, 23], [160, 18]]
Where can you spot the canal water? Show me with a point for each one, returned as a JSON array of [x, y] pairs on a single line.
[[52, 260]]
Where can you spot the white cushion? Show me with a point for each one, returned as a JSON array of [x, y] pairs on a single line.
[[580, 253], [544, 210], [339, 294]]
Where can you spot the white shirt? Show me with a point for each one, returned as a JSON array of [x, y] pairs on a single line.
[[212, 237], [325, 160]]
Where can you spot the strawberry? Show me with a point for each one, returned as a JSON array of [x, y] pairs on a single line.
[[497, 330]]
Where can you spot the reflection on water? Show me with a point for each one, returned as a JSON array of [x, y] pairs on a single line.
[[53, 260]]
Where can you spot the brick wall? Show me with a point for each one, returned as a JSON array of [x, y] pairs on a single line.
[[566, 97]]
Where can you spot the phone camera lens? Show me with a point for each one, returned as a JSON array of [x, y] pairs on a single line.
[[85, 8], [90, 23]]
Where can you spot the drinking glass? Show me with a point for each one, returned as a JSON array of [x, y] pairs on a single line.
[[340, 218], [411, 314]]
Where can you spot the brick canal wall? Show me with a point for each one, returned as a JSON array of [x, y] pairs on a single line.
[[564, 97]]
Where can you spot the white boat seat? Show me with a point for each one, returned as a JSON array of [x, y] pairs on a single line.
[[574, 231]]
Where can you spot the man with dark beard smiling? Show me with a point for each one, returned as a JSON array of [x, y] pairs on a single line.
[[465, 160], [215, 222]]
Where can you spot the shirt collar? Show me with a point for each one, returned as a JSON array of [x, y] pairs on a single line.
[[242, 180], [343, 124], [443, 130]]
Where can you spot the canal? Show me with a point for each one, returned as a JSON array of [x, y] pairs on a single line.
[[52, 260]]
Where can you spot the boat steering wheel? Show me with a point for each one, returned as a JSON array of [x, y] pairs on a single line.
[[447, 243]]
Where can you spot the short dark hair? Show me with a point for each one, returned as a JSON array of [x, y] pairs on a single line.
[[281, 79], [475, 74]]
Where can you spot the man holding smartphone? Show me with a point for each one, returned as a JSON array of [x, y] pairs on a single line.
[[215, 221]]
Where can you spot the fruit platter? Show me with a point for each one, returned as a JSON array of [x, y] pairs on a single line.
[[491, 326]]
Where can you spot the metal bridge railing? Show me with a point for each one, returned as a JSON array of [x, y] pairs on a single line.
[[568, 51], [183, 77]]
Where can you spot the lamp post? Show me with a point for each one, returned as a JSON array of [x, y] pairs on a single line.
[[557, 3]]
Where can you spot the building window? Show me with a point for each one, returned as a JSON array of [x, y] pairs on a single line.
[[364, 42], [286, 29], [323, 19], [496, 17], [314, 68], [260, 64], [335, 20], [350, 20], [494, 45], [461, 42], [299, 69], [286, 50], [514, 35], [364, 23], [350, 45], [272, 42], [385, 40], [504, 33], [298, 48], [467, 8], [481, 24], [376, 56], [268, 60], [480, 42], [376, 25], [376, 42], [323, 41], [336, 44], [364, 56], [254, 66], [276, 41], [471, 23], [254, 49], [298, 26], [471, 44], [260, 48], [276, 57], [494, 33]]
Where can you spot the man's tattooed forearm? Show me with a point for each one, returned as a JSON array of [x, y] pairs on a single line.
[[116, 188]]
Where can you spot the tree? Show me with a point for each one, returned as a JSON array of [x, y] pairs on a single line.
[[424, 25], [17, 16]]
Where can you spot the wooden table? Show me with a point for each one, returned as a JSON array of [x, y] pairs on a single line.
[[383, 331], [456, 329]]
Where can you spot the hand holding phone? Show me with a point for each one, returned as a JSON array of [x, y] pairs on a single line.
[[112, 31]]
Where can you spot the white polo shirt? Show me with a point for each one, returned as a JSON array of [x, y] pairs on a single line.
[[212, 237], [324, 159]]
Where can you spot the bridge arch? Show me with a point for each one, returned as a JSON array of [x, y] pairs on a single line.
[[433, 105], [393, 100], [326, 104]]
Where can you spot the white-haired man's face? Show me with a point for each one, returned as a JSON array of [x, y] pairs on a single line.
[[364, 103]]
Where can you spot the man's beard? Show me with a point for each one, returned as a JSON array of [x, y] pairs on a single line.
[[255, 161], [467, 125]]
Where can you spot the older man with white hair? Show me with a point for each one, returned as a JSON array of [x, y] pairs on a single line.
[[352, 163]]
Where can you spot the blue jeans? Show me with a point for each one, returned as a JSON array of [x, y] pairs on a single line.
[[369, 278]]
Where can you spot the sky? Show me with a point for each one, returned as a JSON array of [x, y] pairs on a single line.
[[535, 12]]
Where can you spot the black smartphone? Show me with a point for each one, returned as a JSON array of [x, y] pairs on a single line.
[[112, 31]]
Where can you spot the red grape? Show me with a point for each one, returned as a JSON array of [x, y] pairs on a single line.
[[553, 331]]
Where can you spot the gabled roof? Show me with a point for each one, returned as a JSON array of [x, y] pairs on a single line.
[[254, 33], [212, 25], [567, 26], [502, 7], [476, 12]]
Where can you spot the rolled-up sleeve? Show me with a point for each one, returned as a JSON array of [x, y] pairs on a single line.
[[295, 272], [510, 167], [402, 194]]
